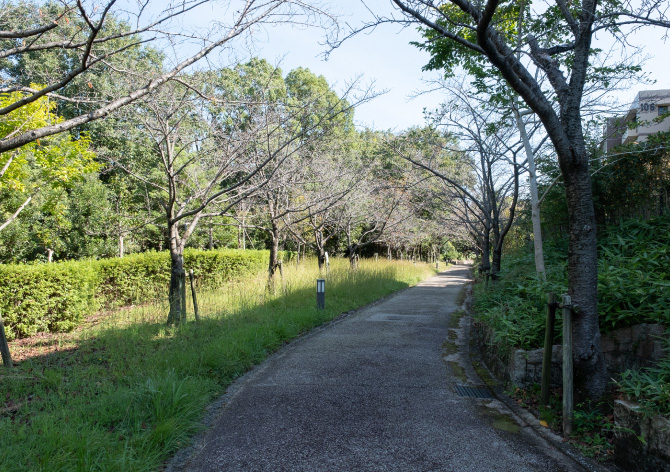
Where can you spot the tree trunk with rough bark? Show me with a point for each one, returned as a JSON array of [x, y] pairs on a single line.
[[590, 371], [274, 251], [177, 290], [486, 252]]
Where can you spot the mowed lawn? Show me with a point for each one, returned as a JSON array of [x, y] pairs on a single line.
[[125, 391]]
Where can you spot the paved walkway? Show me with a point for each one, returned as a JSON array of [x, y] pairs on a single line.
[[375, 391]]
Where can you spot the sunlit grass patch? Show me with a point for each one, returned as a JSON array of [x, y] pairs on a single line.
[[125, 391]]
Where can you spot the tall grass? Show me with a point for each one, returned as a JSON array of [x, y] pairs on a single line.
[[126, 391]]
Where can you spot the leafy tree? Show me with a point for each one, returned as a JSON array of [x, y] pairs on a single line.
[[89, 36], [48, 164], [550, 70], [478, 172], [303, 117], [633, 180]]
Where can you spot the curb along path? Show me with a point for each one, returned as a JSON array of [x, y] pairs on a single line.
[[379, 390]]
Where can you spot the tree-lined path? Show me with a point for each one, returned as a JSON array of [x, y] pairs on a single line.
[[374, 391]]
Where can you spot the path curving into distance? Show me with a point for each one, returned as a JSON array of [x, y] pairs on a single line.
[[375, 391]]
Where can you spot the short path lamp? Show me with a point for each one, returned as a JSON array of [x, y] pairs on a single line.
[[320, 294]]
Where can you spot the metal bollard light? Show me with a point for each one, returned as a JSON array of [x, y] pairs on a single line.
[[320, 294]]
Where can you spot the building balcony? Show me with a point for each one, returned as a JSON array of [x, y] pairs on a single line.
[[629, 136]]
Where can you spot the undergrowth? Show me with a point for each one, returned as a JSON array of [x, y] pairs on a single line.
[[650, 387], [633, 285], [593, 427], [126, 391]]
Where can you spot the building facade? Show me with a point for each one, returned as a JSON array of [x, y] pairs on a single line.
[[638, 123]]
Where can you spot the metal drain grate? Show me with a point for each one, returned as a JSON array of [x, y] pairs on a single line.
[[473, 392]]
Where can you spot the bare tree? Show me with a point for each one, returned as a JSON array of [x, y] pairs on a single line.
[[191, 163], [480, 177], [87, 32], [557, 46]]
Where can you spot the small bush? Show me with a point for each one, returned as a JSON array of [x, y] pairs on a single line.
[[132, 279], [650, 387], [633, 275], [41, 298]]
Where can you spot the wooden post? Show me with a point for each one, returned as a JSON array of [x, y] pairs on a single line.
[[548, 347], [4, 347], [567, 366], [195, 301]]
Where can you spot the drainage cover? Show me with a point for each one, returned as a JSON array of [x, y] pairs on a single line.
[[473, 392]]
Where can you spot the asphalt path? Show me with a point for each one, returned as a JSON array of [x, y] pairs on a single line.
[[377, 390]]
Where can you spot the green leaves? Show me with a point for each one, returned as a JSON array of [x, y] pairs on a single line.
[[633, 285], [650, 387], [53, 163], [633, 281], [56, 297]]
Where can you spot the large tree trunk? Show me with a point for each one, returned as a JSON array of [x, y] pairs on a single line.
[[495, 260], [351, 254], [321, 258], [590, 372], [486, 251], [320, 249], [177, 291]]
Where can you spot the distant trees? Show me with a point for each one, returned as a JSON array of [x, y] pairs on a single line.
[[111, 141], [547, 57], [74, 42], [478, 170], [215, 139]]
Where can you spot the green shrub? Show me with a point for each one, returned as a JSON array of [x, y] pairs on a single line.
[[515, 307], [650, 387], [633, 275], [132, 279], [633, 284], [212, 268], [39, 298], [57, 297]]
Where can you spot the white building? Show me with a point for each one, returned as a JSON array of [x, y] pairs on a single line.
[[647, 106]]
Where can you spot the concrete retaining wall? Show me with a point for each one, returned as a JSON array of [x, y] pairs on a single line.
[[630, 452], [634, 347]]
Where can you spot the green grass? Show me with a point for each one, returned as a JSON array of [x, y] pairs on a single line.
[[126, 391]]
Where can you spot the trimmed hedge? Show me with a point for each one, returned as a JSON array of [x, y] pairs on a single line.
[[56, 297], [43, 298]]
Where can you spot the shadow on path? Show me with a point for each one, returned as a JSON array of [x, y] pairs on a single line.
[[376, 391]]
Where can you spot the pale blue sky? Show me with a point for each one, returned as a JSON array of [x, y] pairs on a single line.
[[386, 57]]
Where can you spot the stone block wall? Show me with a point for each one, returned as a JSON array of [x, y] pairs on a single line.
[[652, 454], [633, 347]]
